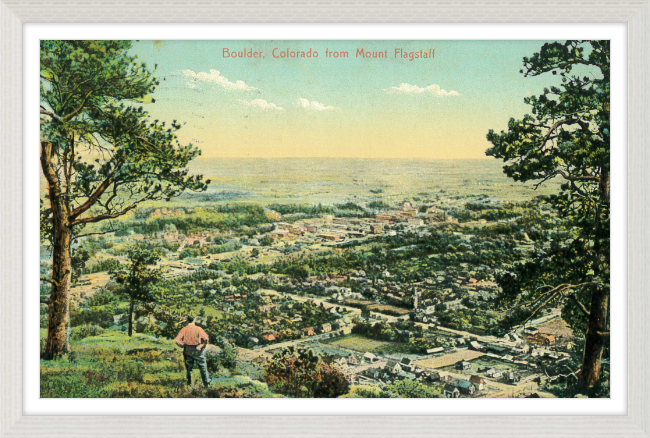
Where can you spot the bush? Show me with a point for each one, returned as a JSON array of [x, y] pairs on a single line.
[[131, 371], [302, 373], [85, 331]]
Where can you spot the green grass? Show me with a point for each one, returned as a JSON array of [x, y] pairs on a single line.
[[112, 365], [362, 344]]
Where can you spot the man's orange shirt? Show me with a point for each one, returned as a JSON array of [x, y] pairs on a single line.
[[191, 335]]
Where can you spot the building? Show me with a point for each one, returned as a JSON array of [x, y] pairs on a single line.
[[326, 328], [430, 376], [494, 373], [531, 331], [511, 377], [465, 387], [269, 338], [462, 365], [369, 357], [393, 367], [450, 391], [308, 331], [476, 346], [478, 382]]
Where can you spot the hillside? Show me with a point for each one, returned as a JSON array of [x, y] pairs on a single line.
[[109, 364]]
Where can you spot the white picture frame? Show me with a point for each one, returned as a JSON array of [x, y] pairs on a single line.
[[14, 13]]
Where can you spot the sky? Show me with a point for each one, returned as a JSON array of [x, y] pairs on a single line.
[[350, 107]]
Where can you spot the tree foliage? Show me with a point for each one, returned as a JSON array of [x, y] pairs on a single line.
[[566, 135], [138, 278], [300, 372], [109, 156], [101, 154]]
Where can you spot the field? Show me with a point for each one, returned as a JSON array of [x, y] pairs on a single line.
[[449, 359], [362, 344]]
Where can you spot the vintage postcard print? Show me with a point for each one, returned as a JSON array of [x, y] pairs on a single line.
[[385, 219]]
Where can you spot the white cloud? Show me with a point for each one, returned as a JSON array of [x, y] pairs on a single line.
[[215, 77], [313, 105], [260, 103], [414, 89]]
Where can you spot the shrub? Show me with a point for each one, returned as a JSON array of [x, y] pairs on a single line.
[[131, 371], [85, 331], [300, 372]]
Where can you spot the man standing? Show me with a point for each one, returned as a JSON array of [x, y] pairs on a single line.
[[193, 340]]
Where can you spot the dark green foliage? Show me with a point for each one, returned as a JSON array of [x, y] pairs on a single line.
[[78, 261], [84, 331], [103, 266], [138, 279], [300, 372], [350, 206], [88, 91], [266, 241], [567, 135], [378, 205]]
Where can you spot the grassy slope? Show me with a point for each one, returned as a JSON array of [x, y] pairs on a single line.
[[113, 365]]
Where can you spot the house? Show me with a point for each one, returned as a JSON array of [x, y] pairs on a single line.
[[511, 377], [269, 338], [267, 309], [326, 328], [407, 364], [369, 357], [476, 346], [308, 331], [435, 350], [531, 330], [478, 382], [393, 367], [352, 360], [462, 365], [465, 386], [494, 373], [430, 376], [448, 379], [496, 349], [450, 391]]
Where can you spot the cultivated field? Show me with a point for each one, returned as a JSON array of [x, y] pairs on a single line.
[[361, 344], [449, 359]]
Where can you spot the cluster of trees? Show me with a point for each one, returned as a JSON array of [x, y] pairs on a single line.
[[303, 373], [389, 332], [224, 218]]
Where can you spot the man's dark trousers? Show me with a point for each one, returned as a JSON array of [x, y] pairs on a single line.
[[196, 358]]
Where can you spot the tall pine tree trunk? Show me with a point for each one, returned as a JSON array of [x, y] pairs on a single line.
[[597, 331], [59, 303], [595, 340]]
